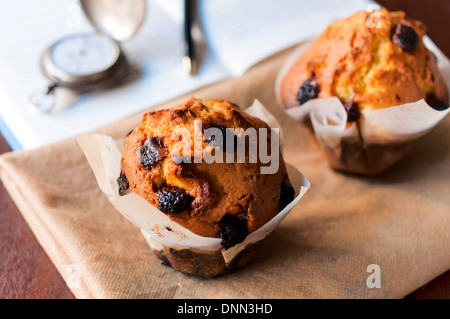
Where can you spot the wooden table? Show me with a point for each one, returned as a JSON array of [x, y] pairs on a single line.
[[27, 272]]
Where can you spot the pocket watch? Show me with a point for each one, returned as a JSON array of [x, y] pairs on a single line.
[[85, 62]]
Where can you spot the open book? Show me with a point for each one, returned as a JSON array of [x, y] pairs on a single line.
[[239, 33]]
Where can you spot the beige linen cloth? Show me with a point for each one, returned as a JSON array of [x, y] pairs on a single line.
[[399, 221]]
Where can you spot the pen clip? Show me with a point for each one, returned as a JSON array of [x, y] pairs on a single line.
[[190, 58]]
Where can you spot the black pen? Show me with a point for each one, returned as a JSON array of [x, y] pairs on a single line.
[[189, 59]]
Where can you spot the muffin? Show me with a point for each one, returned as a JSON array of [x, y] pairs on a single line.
[[368, 68], [211, 199]]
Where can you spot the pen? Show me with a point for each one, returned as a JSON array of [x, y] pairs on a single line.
[[189, 59]]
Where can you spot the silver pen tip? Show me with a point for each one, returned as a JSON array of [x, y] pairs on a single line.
[[187, 65]]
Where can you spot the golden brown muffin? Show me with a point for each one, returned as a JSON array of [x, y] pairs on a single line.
[[374, 67], [221, 200], [367, 67]]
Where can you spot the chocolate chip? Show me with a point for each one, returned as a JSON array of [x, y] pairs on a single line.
[[214, 141], [152, 151], [172, 199], [405, 38], [233, 230], [211, 137], [122, 181], [352, 109], [287, 195], [310, 89], [435, 103]]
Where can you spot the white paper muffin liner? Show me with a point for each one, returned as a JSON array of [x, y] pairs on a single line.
[[104, 156]]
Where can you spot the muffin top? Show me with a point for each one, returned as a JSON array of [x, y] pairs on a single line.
[[367, 65], [223, 200]]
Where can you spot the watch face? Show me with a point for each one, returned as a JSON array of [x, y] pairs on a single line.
[[84, 54]]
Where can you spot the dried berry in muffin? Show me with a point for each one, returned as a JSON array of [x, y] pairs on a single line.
[[152, 151], [435, 103], [233, 230], [122, 181], [310, 89], [405, 38], [352, 109], [287, 195], [172, 199], [214, 141]]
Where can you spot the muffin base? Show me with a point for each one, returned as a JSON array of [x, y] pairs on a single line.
[[203, 263], [354, 156], [370, 159]]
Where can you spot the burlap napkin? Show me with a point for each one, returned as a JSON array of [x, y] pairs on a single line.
[[399, 221]]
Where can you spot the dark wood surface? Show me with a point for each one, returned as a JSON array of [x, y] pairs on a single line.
[[27, 272], [25, 269]]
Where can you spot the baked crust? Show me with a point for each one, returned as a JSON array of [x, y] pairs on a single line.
[[215, 190], [360, 64]]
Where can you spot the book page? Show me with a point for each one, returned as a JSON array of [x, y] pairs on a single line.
[[243, 32]]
